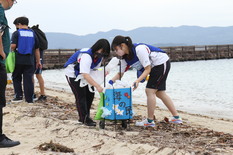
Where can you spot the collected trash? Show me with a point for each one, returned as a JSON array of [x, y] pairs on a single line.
[[9, 80], [115, 104], [113, 63]]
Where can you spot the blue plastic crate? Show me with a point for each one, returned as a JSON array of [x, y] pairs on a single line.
[[119, 102]]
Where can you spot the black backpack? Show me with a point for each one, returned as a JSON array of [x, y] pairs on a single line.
[[43, 42]]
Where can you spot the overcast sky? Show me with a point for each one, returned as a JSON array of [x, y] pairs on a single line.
[[83, 17]]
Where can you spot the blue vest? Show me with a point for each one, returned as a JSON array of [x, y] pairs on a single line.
[[26, 41], [135, 63], [152, 48], [73, 59]]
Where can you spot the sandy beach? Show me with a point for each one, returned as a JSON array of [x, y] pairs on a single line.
[[52, 126]]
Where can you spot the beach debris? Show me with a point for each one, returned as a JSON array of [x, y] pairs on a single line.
[[99, 145], [181, 139], [14, 153], [166, 119], [54, 147], [5, 113], [193, 139]]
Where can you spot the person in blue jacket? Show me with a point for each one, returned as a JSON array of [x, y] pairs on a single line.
[[147, 60], [81, 63], [26, 44]]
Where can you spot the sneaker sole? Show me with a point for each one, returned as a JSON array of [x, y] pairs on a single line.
[[42, 100], [146, 125], [149, 125], [9, 145], [176, 122], [16, 101]]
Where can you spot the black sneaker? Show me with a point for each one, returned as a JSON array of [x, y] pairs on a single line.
[[42, 98], [80, 121], [17, 100], [89, 122], [6, 142], [34, 97]]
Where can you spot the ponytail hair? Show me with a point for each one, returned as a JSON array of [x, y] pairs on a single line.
[[128, 41]]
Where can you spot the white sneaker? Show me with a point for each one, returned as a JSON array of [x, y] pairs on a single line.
[[145, 123], [175, 120]]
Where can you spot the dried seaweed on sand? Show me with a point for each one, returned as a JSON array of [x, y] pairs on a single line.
[[54, 147]]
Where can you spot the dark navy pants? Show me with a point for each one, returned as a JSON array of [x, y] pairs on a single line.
[[1, 119], [83, 97], [26, 73], [3, 82]]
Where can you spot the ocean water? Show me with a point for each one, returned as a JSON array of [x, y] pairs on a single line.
[[199, 87]]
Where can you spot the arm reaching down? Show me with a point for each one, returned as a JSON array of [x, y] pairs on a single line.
[[92, 82]]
